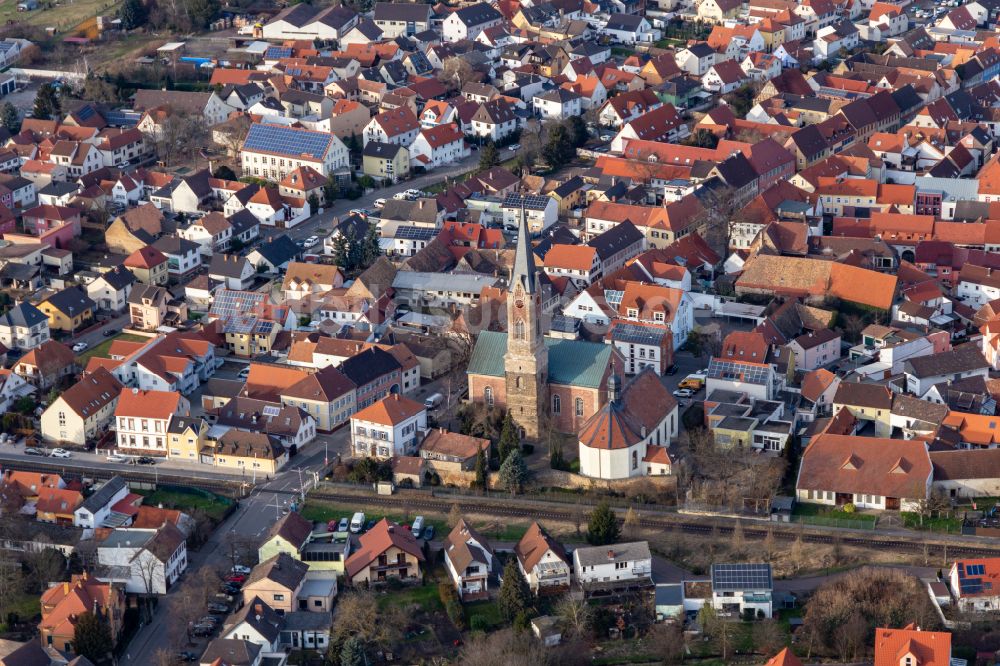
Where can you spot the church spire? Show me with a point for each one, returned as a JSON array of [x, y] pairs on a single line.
[[524, 258]]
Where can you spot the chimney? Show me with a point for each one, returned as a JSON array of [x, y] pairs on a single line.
[[611, 554], [259, 609], [65, 588]]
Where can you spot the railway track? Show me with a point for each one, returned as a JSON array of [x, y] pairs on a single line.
[[221, 486], [686, 524]]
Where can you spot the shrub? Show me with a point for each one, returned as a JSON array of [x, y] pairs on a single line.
[[479, 623], [849, 508]]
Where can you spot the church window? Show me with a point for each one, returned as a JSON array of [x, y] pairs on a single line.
[[488, 395], [579, 406], [635, 460], [517, 382], [556, 404], [519, 330]]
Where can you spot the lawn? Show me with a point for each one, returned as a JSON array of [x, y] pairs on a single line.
[[212, 505], [940, 524], [325, 512], [494, 530], [425, 596], [24, 606], [101, 350], [826, 513], [63, 16], [487, 611]]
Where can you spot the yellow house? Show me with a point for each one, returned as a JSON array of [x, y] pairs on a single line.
[[253, 342], [186, 437], [866, 402], [293, 535], [149, 265], [734, 432], [385, 161], [68, 310], [250, 452]]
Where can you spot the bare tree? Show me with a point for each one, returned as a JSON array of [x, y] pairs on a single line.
[[768, 636], [454, 515], [456, 72], [668, 641], [796, 553], [737, 541], [576, 614], [503, 648], [769, 547], [630, 525], [358, 615]]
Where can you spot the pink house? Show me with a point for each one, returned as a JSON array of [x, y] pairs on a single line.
[[55, 225]]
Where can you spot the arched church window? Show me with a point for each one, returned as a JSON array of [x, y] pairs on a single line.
[[519, 330], [488, 395], [635, 460], [556, 404], [579, 406], [517, 382]]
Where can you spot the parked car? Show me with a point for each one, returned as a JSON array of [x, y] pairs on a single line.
[[61, 453], [418, 526], [218, 609], [187, 656], [117, 458], [606, 137], [244, 373], [110, 332], [433, 401], [429, 533], [236, 579], [146, 460], [79, 347], [413, 194], [208, 619], [370, 524], [33, 452], [240, 569], [202, 631], [683, 393], [360, 212], [399, 196], [223, 598], [343, 525], [672, 370], [379, 204], [514, 146], [229, 589], [312, 241]]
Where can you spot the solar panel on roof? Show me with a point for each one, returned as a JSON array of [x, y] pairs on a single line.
[[122, 118], [737, 371], [741, 576], [635, 334], [534, 202], [286, 141], [277, 52], [85, 112], [415, 233]]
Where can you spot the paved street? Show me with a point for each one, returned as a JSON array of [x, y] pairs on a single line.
[[342, 207]]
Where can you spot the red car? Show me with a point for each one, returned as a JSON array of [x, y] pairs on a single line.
[[237, 579]]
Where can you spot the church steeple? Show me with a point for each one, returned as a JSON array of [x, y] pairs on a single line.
[[524, 259], [526, 361]]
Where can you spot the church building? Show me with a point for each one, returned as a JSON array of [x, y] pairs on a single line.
[[541, 380]]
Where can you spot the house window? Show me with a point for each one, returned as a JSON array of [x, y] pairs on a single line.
[[556, 404], [579, 406]]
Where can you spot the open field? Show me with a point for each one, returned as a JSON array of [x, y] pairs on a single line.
[[64, 16]]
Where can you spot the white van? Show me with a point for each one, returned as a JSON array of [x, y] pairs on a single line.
[[433, 401], [357, 522], [418, 526]]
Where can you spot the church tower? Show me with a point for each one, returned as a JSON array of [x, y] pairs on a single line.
[[527, 359]]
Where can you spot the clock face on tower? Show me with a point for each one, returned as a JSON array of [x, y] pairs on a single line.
[[519, 303]]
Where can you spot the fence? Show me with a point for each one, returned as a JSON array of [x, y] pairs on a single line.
[[828, 521]]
